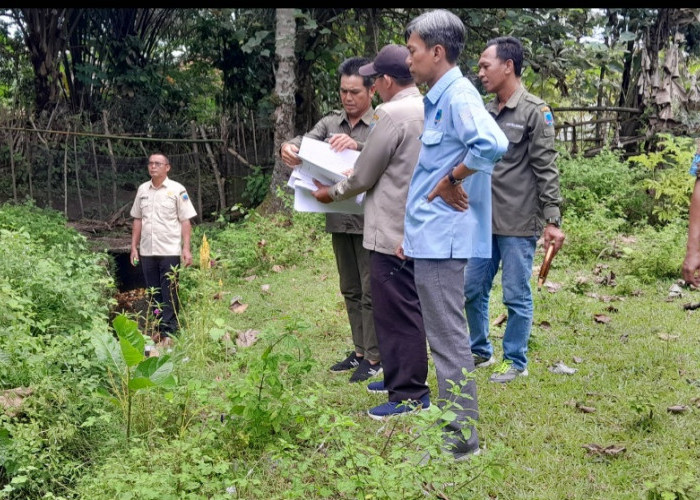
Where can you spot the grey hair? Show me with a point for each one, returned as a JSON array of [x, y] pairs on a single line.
[[439, 27]]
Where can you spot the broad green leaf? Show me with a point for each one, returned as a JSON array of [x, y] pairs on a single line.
[[107, 350], [140, 383], [133, 355], [158, 370]]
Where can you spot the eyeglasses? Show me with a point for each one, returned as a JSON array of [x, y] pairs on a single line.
[[157, 163]]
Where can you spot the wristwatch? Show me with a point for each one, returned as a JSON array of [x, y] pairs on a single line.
[[453, 181], [554, 220]]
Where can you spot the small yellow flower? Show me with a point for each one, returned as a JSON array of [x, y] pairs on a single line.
[[204, 261]]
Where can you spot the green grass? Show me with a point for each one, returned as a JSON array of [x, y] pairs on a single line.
[[531, 427]]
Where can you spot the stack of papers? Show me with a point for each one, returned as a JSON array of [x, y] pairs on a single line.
[[320, 162]]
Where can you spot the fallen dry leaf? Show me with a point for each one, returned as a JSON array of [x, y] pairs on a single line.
[[545, 324], [277, 268], [691, 306], [611, 450], [667, 337], [577, 359], [262, 243], [500, 319], [561, 369], [696, 401], [237, 306], [552, 287], [265, 288], [323, 277], [601, 318], [612, 309], [250, 278], [247, 338], [585, 409], [675, 291], [678, 408], [11, 399]]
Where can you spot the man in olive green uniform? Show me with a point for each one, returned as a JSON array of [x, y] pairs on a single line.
[[384, 170], [348, 129], [525, 203]]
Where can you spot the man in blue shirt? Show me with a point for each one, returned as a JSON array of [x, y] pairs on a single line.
[[461, 143]]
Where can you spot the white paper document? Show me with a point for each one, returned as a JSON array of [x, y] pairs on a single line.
[[320, 162]]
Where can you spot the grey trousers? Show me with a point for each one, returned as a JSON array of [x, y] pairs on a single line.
[[440, 286], [353, 264]]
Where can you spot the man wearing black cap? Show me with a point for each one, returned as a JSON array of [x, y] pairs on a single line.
[[383, 170]]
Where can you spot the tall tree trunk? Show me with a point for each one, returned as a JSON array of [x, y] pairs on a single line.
[[285, 87]]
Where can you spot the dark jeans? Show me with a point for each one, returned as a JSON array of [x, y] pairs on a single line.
[[157, 270], [399, 326]]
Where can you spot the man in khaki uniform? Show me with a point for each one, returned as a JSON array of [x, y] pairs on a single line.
[[525, 203], [348, 129], [383, 170], [160, 236]]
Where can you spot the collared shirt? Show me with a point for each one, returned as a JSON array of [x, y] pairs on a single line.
[[161, 211], [457, 129], [384, 169], [525, 182], [337, 123]]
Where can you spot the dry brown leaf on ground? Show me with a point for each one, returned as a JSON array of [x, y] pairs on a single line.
[[612, 309], [262, 243], [11, 399], [611, 450], [237, 306], [691, 306], [277, 268], [585, 409], [545, 324], [247, 338], [561, 369], [500, 319], [250, 278], [577, 359], [265, 288], [601, 318], [668, 337], [696, 401], [552, 287], [678, 409]]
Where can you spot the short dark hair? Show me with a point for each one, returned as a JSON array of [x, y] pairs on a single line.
[[439, 27], [351, 67], [509, 47]]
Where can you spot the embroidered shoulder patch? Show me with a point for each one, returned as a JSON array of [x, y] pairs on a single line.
[[184, 196], [548, 116]]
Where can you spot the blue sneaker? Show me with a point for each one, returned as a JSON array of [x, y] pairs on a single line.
[[394, 408], [377, 387]]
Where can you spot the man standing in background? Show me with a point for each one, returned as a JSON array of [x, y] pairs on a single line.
[[160, 236]]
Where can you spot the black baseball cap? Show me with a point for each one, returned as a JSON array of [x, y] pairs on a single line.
[[391, 60]]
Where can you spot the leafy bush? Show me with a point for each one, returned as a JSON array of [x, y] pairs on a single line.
[[259, 242], [588, 184], [666, 176], [591, 237], [51, 280]]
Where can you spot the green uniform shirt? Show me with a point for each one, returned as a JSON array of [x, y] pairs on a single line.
[[525, 182], [336, 122]]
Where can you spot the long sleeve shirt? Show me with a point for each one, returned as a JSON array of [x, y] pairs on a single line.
[[525, 182], [384, 169], [457, 129]]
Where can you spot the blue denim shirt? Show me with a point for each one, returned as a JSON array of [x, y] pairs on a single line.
[[457, 128], [694, 166]]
